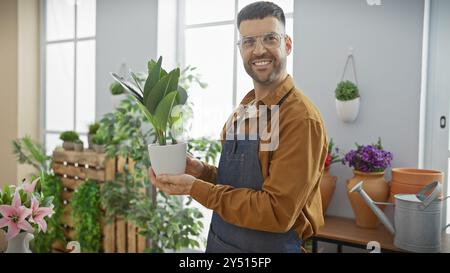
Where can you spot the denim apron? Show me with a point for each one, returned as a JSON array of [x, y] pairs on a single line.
[[240, 167]]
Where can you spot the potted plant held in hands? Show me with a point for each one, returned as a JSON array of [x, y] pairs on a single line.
[[347, 101], [69, 138], [158, 99]]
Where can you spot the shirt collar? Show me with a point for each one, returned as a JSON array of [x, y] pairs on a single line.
[[273, 97]]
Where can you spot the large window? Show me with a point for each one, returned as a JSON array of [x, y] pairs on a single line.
[[207, 40], [69, 68]]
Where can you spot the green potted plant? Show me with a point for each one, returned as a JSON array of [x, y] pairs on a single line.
[[69, 138], [117, 94], [92, 131], [157, 99], [99, 142], [347, 101], [78, 145]]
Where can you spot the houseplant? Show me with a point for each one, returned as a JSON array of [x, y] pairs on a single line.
[[68, 138], [328, 182], [157, 99], [99, 141], [369, 163], [78, 145], [23, 211], [32, 153], [347, 101], [117, 94], [92, 131]]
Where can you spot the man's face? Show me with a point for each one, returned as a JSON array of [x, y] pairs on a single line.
[[264, 65]]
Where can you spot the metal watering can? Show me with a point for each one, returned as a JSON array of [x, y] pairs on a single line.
[[417, 218]]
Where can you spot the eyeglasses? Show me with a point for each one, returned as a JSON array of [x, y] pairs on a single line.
[[269, 40]]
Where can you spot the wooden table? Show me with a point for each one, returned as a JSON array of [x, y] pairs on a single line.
[[344, 232]]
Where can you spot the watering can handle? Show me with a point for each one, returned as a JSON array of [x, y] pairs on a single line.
[[426, 200]]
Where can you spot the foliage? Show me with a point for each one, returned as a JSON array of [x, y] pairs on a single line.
[[50, 186], [160, 94], [127, 196], [78, 141], [86, 215], [29, 152], [93, 128], [116, 88], [206, 149], [69, 136], [346, 90], [100, 137], [332, 156], [370, 158]]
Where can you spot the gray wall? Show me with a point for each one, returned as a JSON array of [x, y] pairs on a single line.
[[126, 33], [387, 42]]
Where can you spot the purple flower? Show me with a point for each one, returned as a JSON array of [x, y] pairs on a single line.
[[370, 158]]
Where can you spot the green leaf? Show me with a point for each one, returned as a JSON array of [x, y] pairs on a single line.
[[152, 79], [164, 108], [167, 84], [182, 96]]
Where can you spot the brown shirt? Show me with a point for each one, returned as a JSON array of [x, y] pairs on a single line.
[[290, 195]]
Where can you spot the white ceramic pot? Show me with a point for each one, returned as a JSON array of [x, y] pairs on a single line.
[[348, 110], [20, 243], [168, 159], [117, 99]]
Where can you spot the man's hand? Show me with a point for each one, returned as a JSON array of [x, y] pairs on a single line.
[[172, 184], [194, 166]]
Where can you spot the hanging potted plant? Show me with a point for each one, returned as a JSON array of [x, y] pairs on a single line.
[[117, 94], [347, 101], [328, 182], [69, 138], [157, 99], [369, 163], [93, 128]]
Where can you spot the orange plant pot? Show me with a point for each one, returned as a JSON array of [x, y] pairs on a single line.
[[409, 180], [376, 187], [327, 187]]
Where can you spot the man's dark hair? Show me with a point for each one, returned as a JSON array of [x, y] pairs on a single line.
[[261, 10]]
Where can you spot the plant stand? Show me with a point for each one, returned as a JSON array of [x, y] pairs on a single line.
[[74, 168]]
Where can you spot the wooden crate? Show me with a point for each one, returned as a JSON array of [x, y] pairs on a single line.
[[74, 168]]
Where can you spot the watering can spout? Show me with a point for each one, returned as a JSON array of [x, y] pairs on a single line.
[[378, 212]]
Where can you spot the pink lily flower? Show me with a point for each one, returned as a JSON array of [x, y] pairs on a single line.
[[29, 187], [38, 214], [14, 217]]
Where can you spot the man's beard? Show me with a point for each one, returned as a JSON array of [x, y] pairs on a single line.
[[277, 68]]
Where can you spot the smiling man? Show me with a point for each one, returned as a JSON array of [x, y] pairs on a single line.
[[264, 200]]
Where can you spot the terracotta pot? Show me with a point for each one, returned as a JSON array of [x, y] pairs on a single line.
[[376, 187], [409, 180], [327, 187]]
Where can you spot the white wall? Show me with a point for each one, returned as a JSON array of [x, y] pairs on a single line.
[[126, 33], [387, 42]]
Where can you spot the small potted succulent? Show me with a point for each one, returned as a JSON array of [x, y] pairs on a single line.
[[69, 138], [78, 145], [159, 99], [347, 101], [117, 94], [92, 131]]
